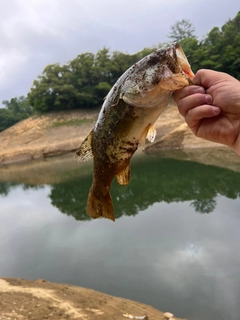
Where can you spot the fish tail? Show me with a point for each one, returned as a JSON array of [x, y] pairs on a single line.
[[99, 203]]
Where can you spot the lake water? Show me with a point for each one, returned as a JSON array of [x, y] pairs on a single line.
[[174, 245]]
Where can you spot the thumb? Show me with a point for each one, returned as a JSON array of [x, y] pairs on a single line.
[[205, 78]]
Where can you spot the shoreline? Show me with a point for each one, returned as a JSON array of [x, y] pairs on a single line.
[[41, 299], [55, 135]]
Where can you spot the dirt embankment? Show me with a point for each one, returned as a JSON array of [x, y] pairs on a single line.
[[58, 133], [40, 299], [44, 136]]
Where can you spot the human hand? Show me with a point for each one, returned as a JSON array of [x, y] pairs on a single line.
[[211, 107]]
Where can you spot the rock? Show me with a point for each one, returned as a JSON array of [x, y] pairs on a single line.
[[168, 315], [18, 157]]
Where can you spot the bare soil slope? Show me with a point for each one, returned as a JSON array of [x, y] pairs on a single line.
[[47, 135], [58, 133], [40, 299]]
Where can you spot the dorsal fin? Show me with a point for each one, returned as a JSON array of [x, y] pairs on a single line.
[[84, 152]]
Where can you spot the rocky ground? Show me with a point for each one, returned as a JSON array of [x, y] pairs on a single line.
[[40, 299]]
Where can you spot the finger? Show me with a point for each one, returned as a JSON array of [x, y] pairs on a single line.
[[192, 101], [206, 78], [195, 115], [186, 91]]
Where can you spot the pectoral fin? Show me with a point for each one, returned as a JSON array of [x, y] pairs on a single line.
[[84, 152], [150, 134], [123, 177]]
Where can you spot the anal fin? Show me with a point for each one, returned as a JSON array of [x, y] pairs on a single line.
[[123, 177]]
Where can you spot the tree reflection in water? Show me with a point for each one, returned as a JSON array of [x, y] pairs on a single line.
[[153, 179]]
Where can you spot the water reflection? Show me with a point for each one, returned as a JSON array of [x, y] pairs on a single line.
[[159, 252], [152, 180]]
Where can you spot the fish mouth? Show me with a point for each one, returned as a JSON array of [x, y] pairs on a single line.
[[183, 61]]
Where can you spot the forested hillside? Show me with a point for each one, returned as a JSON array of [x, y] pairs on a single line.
[[83, 82]]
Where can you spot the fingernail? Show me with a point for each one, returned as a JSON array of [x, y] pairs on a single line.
[[198, 89], [216, 110], [209, 99]]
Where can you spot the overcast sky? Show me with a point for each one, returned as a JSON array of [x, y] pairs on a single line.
[[35, 33]]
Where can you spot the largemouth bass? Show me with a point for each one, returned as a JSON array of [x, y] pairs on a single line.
[[127, 118]]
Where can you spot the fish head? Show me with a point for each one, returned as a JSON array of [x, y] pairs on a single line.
[[156, 76], [176, 51], [177, 73]]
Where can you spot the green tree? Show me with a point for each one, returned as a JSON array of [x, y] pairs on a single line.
[[222, 48], [102, 88], [191, 48], [181, 29], [219, 50], [81, 83], [14, 111], [86, 80], [18, 105]]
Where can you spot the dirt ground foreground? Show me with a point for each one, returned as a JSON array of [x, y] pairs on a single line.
[[40, 299]]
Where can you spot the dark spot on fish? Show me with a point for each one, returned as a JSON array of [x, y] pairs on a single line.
[[153, 59], [155, 80], [114, 157], [173, 65], [128, 146]]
